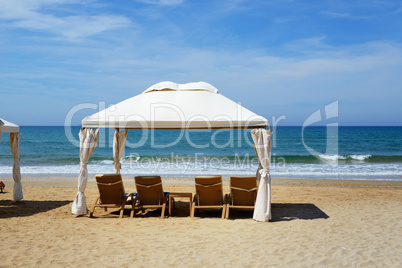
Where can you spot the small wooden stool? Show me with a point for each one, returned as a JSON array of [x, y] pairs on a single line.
[[172, 195]]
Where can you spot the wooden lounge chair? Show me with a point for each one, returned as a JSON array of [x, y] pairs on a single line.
[[243, 192], [208, 194], [150, 194], [111, 193]]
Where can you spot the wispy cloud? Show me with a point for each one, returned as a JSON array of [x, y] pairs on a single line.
[[319, 58], [335, 14], [162, 2], [280, 20], [308, 45], [30, 15], [237, 46]]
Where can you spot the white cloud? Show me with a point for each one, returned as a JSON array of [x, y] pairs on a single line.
[[334, 60], [280, 20], [20, 9], [116, 73], [72, 27], [163, 2], [335, 14], [27, 15], [345, 15], [307, 45]]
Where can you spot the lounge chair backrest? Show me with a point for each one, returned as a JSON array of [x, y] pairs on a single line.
[[209, 190], [111, 189], [149, 190], [243, 190]]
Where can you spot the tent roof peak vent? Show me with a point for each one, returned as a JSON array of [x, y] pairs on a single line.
[[171, 86]]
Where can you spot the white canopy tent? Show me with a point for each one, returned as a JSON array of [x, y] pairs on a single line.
[[13, 129], [168, 105]]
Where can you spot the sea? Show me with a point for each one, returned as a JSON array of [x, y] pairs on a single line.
[[316, 152]]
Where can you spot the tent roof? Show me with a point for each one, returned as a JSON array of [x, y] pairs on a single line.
[[169, 86], [7, 127], [168, 105]]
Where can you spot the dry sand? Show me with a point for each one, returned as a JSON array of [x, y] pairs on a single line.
[[321, 223]]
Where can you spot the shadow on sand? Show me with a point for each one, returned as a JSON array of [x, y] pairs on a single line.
[[280, 212], [180, 209], [10, 208], [284, 212], [289, 212]]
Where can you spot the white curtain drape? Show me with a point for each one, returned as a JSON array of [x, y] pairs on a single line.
[[262, 146], [1, 132], [15, 151], [118, 147], [88, 140]]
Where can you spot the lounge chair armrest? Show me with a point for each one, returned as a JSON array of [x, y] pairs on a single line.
[[166, 197]]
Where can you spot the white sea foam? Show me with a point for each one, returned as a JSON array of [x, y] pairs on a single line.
[[331, 157], [105, 162], [341, 157], [358, 170], [360, 157]]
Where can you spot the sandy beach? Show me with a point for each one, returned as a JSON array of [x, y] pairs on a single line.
[[323, 223]]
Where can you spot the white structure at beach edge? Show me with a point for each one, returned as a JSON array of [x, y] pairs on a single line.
[[15, 135], [168, 106]]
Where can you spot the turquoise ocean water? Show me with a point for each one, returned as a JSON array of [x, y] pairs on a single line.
[[373, 153]]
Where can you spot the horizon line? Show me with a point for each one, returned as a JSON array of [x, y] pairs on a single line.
[[227, 129]]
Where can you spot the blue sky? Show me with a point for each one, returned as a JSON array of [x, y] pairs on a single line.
[[279, 58]]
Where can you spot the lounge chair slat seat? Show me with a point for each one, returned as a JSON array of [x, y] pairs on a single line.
[[111, 193], [209, 194], [243, 192], [149, 194]]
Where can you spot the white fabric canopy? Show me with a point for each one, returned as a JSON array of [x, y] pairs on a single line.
[[168, 85], [118, 148], [13, 129], [262, 145], [88, 141], [168, 105], [8, 127]]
